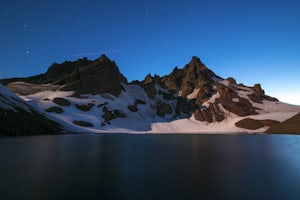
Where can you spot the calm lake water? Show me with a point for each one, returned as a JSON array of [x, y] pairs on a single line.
[[121, 166]]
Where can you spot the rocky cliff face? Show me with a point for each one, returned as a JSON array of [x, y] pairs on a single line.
[[200, 92], [82, 76], [101, 76]]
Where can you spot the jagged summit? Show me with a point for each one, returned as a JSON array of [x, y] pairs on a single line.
[[101, 76], [196, 62], [103, 58]]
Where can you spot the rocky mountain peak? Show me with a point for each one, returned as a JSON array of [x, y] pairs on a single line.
[[196, 62], [194, 75], [103, 59], [101, 76]]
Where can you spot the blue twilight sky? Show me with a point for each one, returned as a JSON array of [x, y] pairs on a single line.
[[254, 41]]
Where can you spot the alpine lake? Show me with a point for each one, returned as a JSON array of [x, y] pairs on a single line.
[[150, 166]]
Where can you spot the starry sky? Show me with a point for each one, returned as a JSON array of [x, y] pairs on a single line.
[[254, 41]]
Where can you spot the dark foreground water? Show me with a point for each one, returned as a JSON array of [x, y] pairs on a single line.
[[116, 166]]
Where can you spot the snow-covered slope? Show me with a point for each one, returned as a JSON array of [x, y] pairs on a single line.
[[10, 101], [18, 117], [145, 119]]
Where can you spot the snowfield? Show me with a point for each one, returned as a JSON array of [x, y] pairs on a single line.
[[145, 119]]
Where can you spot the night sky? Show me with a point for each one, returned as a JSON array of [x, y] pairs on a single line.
[[255, 41]]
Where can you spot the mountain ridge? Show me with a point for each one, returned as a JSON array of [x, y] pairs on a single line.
[[94, 96]]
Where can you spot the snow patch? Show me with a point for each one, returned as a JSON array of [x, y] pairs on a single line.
[[194, 94], [211, 100], [236, 100], [49, 95]]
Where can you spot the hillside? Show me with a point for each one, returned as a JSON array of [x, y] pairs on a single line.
[[17, 117]]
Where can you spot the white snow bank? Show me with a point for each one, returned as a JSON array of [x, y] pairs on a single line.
[[49, 94], [227, 126]]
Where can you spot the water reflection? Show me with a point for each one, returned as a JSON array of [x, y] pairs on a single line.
[[150, 167]]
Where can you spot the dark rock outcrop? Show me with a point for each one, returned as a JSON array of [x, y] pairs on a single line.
[[255, 97], [61, 101], [84, 107], [241, 107], [132, 108], [163, 109], [290, 126], [195, 75], [231, 81], [271, 98], [182, 106], [210, 114], [55, 109], [139, 101], [112, 114], [83, 123], [101, 76], [148, 84], [253, 124]]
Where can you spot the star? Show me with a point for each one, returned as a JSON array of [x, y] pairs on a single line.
[[27, 52]]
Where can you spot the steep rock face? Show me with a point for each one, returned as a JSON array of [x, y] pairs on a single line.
[[193, 86], [148, 84], [82, 76], [102, 76], [210, 114], [233, 103], [195, 75]]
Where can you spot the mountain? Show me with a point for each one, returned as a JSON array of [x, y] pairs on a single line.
[[93, 96]]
